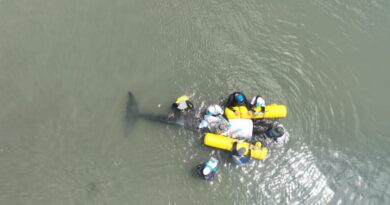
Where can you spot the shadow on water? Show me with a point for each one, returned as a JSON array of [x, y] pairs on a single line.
[[93, 189]]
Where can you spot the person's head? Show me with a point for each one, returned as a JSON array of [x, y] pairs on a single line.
[[278, 130], [258, 101], [214, 110], [239, 97]]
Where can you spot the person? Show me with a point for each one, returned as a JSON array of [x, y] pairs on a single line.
[[182, 104], [238, 99], [238, 155], [277, 132], [214, 120], [183, 114], [260, 126], [258, 102], [207, 170], [181, 107]]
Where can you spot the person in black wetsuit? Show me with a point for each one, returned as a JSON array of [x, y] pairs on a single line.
[[207, 170], [238, 99], [277, 132], [183, 113], [270, 132]]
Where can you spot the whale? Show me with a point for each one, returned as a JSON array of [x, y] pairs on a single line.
[[185, 120]]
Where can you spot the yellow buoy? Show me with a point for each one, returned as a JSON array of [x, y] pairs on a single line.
[[271, 111], [226, 143]]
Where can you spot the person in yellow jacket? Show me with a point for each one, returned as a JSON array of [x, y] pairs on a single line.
[[182, 104]]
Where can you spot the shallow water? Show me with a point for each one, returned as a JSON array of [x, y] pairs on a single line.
[[66, 67]]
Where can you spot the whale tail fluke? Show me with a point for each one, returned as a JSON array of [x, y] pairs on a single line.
[[132, 111], [133, 114]]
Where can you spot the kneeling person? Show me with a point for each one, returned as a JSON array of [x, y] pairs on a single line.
[[208, 169], [238, 155], [182, 104], [258, 102], [214, 120], [277, 132]]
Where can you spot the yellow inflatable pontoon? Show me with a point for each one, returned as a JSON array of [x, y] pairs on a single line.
[[271, 111], [226, 143]]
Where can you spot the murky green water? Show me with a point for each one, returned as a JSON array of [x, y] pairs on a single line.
[[66, 67]]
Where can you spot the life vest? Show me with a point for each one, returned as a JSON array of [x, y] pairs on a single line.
[[212, 164], [183, 103], [258, 101], [209, 168]]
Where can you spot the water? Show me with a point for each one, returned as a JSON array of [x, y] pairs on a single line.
[[66, 67]]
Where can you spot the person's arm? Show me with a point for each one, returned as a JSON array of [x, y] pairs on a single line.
[[234, 148], [200, 168], [233, 133], [230, 102], [249, 106], [190, 105]]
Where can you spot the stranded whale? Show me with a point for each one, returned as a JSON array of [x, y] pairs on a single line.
[[185, 120]]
